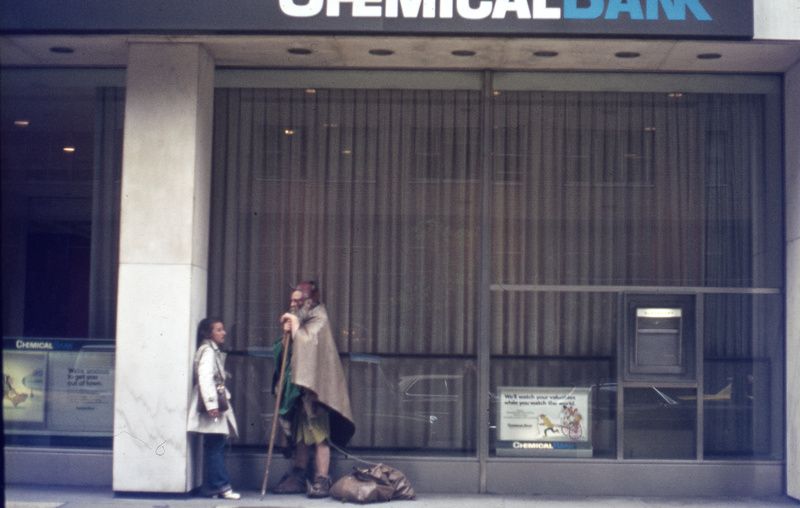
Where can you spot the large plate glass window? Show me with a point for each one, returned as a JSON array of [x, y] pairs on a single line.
[[597, 196], [375, 194], [61, 162]]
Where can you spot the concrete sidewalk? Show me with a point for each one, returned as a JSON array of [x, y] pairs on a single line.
[[69, 497]]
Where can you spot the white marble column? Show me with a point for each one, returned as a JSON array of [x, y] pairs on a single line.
[[166, 175], [792, 150]]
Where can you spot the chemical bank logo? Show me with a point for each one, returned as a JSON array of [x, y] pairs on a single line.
[[634, 10]]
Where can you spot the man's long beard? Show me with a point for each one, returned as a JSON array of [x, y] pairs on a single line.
[[303, 311]]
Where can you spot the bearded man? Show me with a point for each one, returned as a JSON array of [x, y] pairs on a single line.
[[315, 406]]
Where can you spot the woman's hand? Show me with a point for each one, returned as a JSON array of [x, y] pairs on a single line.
[[213, 413]]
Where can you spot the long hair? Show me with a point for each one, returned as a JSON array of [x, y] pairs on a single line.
[[204, 328]]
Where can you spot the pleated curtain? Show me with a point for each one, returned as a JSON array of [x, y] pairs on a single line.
[[376, 195]]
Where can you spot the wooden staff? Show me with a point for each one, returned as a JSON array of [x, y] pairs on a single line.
[[276, 413]]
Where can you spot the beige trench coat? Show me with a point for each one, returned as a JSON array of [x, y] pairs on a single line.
[[207, 360]]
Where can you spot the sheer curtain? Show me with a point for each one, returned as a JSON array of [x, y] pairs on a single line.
[[598, 188], [374, 194], [621, 190], [613, 189], [109, 116]]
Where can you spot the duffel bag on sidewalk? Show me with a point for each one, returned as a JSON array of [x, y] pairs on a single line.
[[372, 484]]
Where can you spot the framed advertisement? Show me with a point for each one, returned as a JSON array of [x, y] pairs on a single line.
[[58, 387], [544, 421], [81, 391], [24, 377]]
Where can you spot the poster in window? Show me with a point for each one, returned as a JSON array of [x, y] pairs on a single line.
[[82, 391], [549, 421], [24, 375]]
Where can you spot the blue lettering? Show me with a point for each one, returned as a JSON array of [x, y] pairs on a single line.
[[652, 8], [564, 446], [676, 9], [593, 11], [632, 7]]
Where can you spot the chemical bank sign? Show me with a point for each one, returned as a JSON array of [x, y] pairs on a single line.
[[675, 10], [573, 18]]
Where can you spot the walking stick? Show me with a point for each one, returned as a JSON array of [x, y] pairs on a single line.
[[276, 413]]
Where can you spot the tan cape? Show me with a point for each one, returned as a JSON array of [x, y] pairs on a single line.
[[316, 367]]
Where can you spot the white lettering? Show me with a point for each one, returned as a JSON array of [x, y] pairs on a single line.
[[675, 10], [34, 344], [532, 446], [502, 7], [411, 8], [333, 8], [466, 11], [312, 8], [362, 10], [446, 9]]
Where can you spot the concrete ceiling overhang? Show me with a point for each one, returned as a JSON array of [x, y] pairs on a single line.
[[419, 52]]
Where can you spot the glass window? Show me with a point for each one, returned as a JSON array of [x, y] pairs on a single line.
[[374, 194], [407, 403], [743, 377], [660, 423], [58, 392], [603, 198], [596, 198], [61, 158], [640, 189], [557, 341]]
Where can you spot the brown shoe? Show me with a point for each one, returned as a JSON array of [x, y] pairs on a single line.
[[293, 482], [320, 488]]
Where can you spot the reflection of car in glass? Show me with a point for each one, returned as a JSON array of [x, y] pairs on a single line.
[[644, 402], [653, 398], [656, 422], [406, 410], [431, 396], [423, 410], [661, 422]]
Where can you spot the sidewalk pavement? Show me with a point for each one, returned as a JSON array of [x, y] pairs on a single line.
[[34, 496]]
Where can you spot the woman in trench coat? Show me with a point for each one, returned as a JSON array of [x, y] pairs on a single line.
[[205, 416]]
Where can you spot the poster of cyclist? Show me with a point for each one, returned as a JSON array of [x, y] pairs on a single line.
[[544, 421]]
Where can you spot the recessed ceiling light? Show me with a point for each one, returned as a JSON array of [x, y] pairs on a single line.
[[709, 56], [311, 91], [627, 54], [288, 132], [347, 151], [496, 93], [649, 128], [545, 54], [675, 95], [69, 149], [64, 50], [381, 52], [462, 52], [22, 123], [299, 51]]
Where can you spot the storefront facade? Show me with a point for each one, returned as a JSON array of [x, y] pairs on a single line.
[[563, 249]]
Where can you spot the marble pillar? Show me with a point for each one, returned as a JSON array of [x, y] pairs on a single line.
[[792, 164], [166, 175]]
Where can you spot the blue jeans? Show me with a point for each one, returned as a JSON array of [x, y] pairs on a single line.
[[215, 479]]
